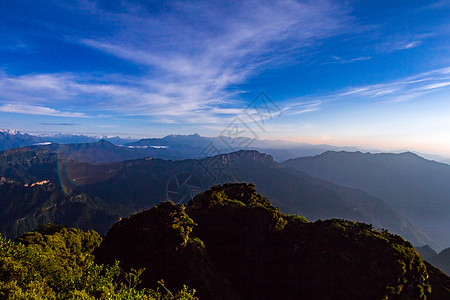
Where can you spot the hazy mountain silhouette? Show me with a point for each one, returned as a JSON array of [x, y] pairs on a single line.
[[442, 260], [415, 187], [426, 252]]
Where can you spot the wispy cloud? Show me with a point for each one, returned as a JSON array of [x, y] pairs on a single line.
[[296, 107], [38, 110], [412, 44], [398, 90], [406, 89], [58, 124], [340, 60], [402, 43]]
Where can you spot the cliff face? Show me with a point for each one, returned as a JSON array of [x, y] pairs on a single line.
[[230, 243]]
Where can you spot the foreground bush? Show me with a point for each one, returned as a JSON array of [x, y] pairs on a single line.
[[57, 263]]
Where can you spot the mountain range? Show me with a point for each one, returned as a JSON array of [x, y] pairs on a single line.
[[178, 147], [92, 185], [10, 139], [174, 147], [83, 191]]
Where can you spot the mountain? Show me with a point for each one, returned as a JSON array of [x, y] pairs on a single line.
[[10, 139], [101, 152], [179, 147], [231, 243], [194, 145], [426, 252], [14, 139], [150, 181], [26, 206], [415, 187], [134, 185], [442, 260], [65, 138], [96, 153]]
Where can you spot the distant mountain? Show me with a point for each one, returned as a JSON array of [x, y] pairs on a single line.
[[103, 152], [442, 261], [426, 252], [62, 138], [415, 187], [231, 243], [10, 139], [196, 146], [96, 153], [14, 139], [139, 184], [179, 147]]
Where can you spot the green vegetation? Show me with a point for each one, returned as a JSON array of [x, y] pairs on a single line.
[[54, 262], [231, 195]]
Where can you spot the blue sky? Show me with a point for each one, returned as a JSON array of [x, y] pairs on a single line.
[[373, 74]]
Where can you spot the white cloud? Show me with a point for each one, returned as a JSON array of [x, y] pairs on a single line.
[[405, 89], [436, 85], [39, 110], [297, 107], [337, 59], [412, 44], [401, 43]]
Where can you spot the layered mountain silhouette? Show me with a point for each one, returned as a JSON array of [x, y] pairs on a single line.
[[231, 243], [415, 187], [116, 189], [96, 153], [426, 252], [10, 139], [173, 147], [441, 260]]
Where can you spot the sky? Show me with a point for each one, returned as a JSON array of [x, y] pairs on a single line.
[[373, 74]]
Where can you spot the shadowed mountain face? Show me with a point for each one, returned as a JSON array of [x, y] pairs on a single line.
[[415, 187], [27, 206], [139, 184], [232, 237]]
